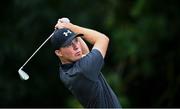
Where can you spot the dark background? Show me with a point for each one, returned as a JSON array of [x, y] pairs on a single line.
[[142, 62]]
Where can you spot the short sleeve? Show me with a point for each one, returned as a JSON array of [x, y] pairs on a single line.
[[91, 64]]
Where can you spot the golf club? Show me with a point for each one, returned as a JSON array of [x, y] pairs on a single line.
[[24, 75]]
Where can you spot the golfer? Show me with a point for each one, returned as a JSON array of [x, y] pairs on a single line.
[[80, 69]]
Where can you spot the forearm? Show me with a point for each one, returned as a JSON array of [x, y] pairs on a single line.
[[90, 35], [85, 49]]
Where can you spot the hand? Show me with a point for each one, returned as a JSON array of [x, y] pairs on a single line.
[[63, 23], [64, 20]]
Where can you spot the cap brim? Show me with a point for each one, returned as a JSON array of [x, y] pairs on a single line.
[[70, 39]]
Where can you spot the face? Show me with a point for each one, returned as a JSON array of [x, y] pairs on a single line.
[[71, 52]]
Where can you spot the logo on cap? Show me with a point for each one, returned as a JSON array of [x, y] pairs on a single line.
[[66, 33]]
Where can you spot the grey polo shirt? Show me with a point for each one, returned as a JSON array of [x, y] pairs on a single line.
[[86, 82]]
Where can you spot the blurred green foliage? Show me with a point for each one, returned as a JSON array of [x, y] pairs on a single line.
[[141, 64]]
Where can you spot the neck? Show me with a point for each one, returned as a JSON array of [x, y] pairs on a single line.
[[65, 61]]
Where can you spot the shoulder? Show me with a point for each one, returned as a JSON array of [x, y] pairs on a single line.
[[91, 57], [95, 53]]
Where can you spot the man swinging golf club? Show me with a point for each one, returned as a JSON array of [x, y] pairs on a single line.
[[80, 69]]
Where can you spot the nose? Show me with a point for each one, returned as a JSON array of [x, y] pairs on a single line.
[[75, 45]]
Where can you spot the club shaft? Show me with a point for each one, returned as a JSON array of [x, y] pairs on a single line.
[[37, 50]]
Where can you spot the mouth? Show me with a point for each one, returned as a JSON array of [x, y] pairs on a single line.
[[78, 53]]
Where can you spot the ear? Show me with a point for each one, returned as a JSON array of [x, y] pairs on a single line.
[[58, 53]]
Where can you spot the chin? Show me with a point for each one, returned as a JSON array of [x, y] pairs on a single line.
[[78, 58]]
